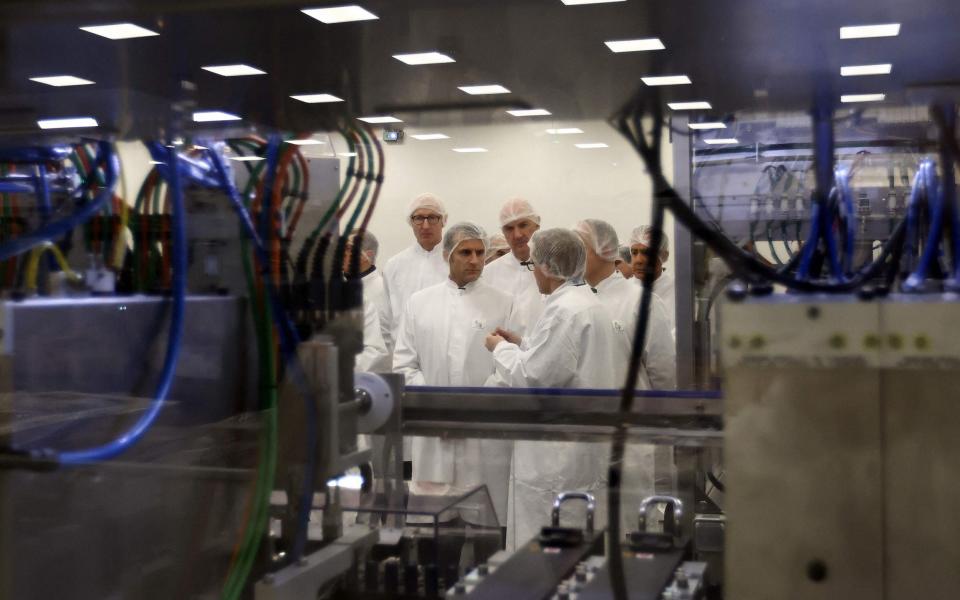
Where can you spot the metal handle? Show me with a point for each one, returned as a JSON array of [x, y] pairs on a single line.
[[671, 500], [564, 496]]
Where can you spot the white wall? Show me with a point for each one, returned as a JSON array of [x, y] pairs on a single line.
[[564, 183]]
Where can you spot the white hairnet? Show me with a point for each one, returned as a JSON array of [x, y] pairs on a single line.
[[369, 246], [625, 255], [642, 235], [428, 201], [458, 233], [600, 236], [498, 242], [560, 252], [516, 209]]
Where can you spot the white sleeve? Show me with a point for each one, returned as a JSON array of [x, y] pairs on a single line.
[[406, 361], [374, 356], [660, 353], [547, 361]]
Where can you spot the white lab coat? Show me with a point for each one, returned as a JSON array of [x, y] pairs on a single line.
[[622, 299], [441, 342], [663, 288], [374, 358], [574, 344], [410, 271], [508, 275]]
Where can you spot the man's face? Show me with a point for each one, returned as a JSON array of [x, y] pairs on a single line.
[[427, 227], [497, 255], [364, 263], [638, 253], [543, 280], [518, 236], [466, 262], [625, 268]]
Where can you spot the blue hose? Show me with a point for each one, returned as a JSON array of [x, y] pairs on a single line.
[[57, 229], [931, 248], [289, 340], [813, 238], [846, 197], [174, 339]]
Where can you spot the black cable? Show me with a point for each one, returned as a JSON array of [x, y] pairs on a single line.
[[715, 481]]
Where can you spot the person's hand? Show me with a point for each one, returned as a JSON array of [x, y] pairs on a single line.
[[508, 335], [492, 341]]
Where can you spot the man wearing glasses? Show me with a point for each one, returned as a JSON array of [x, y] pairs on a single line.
[[421, 264], [518, 221]]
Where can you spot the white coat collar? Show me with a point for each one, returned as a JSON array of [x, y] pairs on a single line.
[[418, 249], [610, 281], [451, 285]]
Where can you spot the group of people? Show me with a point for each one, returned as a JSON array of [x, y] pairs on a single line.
[[539, 308]]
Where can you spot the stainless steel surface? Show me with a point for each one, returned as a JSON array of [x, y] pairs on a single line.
[[678, 513], [564, 497], [116, 346], [315, 571], [683, 263]]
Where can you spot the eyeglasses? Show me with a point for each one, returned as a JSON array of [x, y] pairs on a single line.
[[529, 264], [419, 219]]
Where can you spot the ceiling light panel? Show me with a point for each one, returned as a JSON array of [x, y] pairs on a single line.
[[565, 131], [853, 71], [234, 70], [592, 146], [67, 123], [695, 105], [317, 98], [306, 142], [643, 45], [482, 90], [340, 14], [430, 136], [716, 141], [869, 31], [529, 112], [246, 158], [470, 150], [379, 119], [61, 80], [209, 116], [119, 31], [424, 58], [707, 125], [847, 98], [666, 80]]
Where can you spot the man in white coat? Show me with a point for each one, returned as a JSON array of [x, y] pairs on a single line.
[[622, 299], [518, 221], [441, 343], [663, 281], [573, 344], [421, 264], [377, 337]]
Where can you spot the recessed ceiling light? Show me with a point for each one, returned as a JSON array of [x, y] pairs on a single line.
[[643, 45], [340, 14], [469, 150], [695, 105], [67, 123], [119, 31], [207, 116], [666, 80], [480, 90], [347, 154], [853, 71], [246, 158], [530, 112], [722, 141], [157, 162], [565, 131], [305, 142], [869, 31], [708, 125], [591, 146], [377, 120], [233, 70], [317, 98], [61, 80], [579, 2], [424, 58], [430, 136], [862, 98]]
